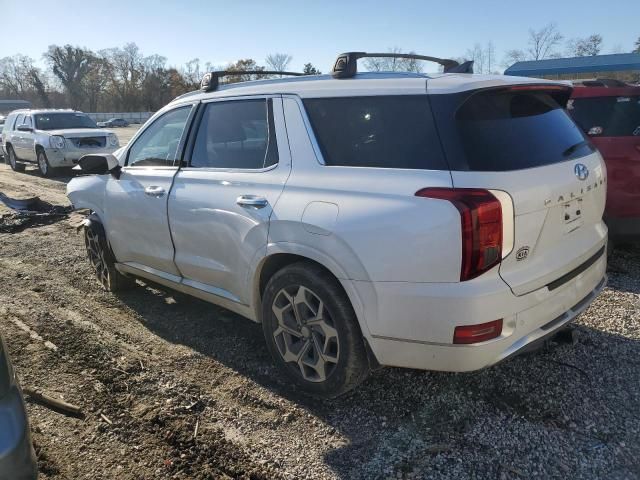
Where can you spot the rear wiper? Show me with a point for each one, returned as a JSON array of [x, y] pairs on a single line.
[[575, 147]]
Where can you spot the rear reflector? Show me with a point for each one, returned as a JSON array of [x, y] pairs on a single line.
[[481, 224], [467, 334]]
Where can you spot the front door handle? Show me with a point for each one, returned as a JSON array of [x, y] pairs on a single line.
[[252, 201], [154, 191]]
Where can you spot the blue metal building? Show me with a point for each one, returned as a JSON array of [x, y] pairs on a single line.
[[621, 66]]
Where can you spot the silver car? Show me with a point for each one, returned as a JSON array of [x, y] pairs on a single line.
[[52, 139], [17, 458]]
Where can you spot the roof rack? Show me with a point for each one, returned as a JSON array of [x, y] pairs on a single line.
[[211, 80], [346, 65]]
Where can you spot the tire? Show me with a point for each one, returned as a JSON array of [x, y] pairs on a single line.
[[318, 345], [102, 260], [44, 167], [13, 160]]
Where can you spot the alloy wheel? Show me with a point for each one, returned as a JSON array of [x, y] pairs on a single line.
[[97, 256], [305, 334], [42, 163]]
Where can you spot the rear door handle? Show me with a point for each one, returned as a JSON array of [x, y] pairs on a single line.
[[154, 191], [252, 201]]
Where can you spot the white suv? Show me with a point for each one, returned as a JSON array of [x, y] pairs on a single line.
[[439, 222], [52, 139]]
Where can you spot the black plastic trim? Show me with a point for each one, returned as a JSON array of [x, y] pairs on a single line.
[[576, 271]]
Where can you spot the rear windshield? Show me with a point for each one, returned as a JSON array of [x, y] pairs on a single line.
[[382, 131], [607, 116], [502, 130], [60, 121]]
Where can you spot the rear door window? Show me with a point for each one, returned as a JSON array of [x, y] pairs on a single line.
[[607, 116], [382, 131], [507, 129]]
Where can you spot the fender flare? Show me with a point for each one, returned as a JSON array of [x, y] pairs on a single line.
[[319, 257]]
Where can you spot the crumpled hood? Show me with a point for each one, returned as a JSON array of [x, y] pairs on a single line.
[[80, 132]]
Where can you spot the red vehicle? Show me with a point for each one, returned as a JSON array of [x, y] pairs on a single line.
[[609, 113]]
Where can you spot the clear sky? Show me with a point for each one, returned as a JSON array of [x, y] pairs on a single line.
[[314, 32]]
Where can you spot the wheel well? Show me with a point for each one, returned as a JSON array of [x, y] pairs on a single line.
[[277, 262], [39, 148]]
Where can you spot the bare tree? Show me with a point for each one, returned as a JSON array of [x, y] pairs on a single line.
[[542, 43], [637, 49], [514, 56], [393, 64], [584, 47], [191, 72], [39, 84], [278, 61], [14, 74], [71, 65]]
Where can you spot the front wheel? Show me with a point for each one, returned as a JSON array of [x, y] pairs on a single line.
[[312, 332], [102, 260], [43, 164]]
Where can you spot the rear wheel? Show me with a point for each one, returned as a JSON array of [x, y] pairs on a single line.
[[102, 260], [13, 160], [43, 165], [312, 332]]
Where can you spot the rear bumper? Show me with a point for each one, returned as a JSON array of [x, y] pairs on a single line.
[[417, 331], [17, 458], [624, 228]]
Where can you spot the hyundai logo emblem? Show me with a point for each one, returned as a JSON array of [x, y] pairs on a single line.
[[581, 171]]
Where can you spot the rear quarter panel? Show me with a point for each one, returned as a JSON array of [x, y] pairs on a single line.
[[382, 231]]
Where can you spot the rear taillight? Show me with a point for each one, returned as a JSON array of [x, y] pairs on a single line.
[[467, 334], [481, 222]]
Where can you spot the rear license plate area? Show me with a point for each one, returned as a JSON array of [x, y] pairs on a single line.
[[572, 215]]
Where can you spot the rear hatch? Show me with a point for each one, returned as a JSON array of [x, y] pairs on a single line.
[[520, 140]]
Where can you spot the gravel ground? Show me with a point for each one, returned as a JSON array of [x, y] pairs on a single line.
[[172, 387]]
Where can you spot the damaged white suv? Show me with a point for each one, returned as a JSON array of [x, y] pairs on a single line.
[[52, 139], [441, 222]]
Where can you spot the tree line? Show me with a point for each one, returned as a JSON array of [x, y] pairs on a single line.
[[120, 79], [124, 79]]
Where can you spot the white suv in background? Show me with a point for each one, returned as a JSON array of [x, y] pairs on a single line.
[[52, 139], [440, 222]]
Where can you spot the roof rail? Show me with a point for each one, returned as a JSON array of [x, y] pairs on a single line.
[[346, 65], [211, 80]]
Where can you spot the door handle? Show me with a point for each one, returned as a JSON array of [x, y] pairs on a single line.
[[252, 201], [154, 191]]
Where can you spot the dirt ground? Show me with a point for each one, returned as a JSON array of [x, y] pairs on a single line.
[[172, 387]]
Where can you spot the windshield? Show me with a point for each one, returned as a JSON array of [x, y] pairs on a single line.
[[607, 116], [63, 121], [503, 130]]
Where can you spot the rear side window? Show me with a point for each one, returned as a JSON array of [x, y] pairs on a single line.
[[502, 130], [236, 134], [382, 131], [607, 116]]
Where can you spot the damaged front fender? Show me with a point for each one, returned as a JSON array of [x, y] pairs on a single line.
[[88, 192]]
